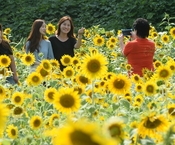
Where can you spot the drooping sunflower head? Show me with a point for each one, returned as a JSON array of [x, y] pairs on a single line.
[[82, 80], [4, 61], [152, 124], [28, 59], [77, 133], [54, 63], [119, 84], [94, 66], [172, 32], [114, 127], [12, 131], [45, 63], [35, 122], [34, 79], [66, 100], [50, 29], [49, 94], [7, 31], [66, 60]]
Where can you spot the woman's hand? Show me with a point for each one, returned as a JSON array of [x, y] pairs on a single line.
[[81, 31]]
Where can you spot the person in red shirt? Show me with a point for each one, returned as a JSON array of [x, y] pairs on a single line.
[[140, 51]]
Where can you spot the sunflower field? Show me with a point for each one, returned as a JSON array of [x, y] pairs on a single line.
[[92, 101]]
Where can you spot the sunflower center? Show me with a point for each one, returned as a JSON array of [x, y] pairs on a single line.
[[69, 73], [150, 89], [28, 59], [119, 84], [152, 124], [164, 73], [35, 79], [94, 66], [139, 87], [78, 137], [114, 130], [50, 95], [17, 111], [171, 111], [4, 61], [37, 123], [46, 65], [67, 101], [99, 40], [13, 132], [17, 99], [172, 67], [43, 72], [83, 79], [66, 60]]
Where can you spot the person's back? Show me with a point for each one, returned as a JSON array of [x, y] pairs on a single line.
[[139, 53]]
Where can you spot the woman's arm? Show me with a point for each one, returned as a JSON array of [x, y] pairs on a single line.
[[13, 68], [80, 33]]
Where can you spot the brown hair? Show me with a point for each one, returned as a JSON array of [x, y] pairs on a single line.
[[70, 34], [35, 35], [4, 43]]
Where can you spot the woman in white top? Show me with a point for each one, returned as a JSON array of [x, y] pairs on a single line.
[[36, 43]]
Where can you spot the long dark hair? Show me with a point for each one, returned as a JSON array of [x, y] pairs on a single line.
[[71, 32], [35, 35], [5, 43]]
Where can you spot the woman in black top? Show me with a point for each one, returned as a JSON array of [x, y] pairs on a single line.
[[5, 49], [64, 42]]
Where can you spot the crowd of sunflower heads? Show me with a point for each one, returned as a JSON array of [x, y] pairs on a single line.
[[92, 101]]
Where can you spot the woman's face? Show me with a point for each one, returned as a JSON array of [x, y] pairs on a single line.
[[43, 29], [65, 27]]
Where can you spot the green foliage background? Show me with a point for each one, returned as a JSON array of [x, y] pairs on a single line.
[[110, 14]]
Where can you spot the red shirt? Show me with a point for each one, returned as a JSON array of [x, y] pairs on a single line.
[[139, 54]]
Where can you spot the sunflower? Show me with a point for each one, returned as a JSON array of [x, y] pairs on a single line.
[[154, 34], [52, 118], [93, 50], [2, 92], [119, 84], [113, 39], [79, 89], [75, 61], [4, 113], [34, 79], [165, 38], [157, 63], [171, 65], [66, 60], [18, 98], [7, 31], [54, 63], [158, 44], [35, 122], [77, 133], [139, 98], [68, 72], [66, 100], [82, 80], [150, 88], [110, 45], [12, 131], [163, 72], [136, 78], [28, 59], [172, 32], [50, 29], [94, 66], [43, 72], [171, 111], [98, 40], [17, 111], [45, 63], [4, 61], [49, 94], [152, 125], [114, 127]]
